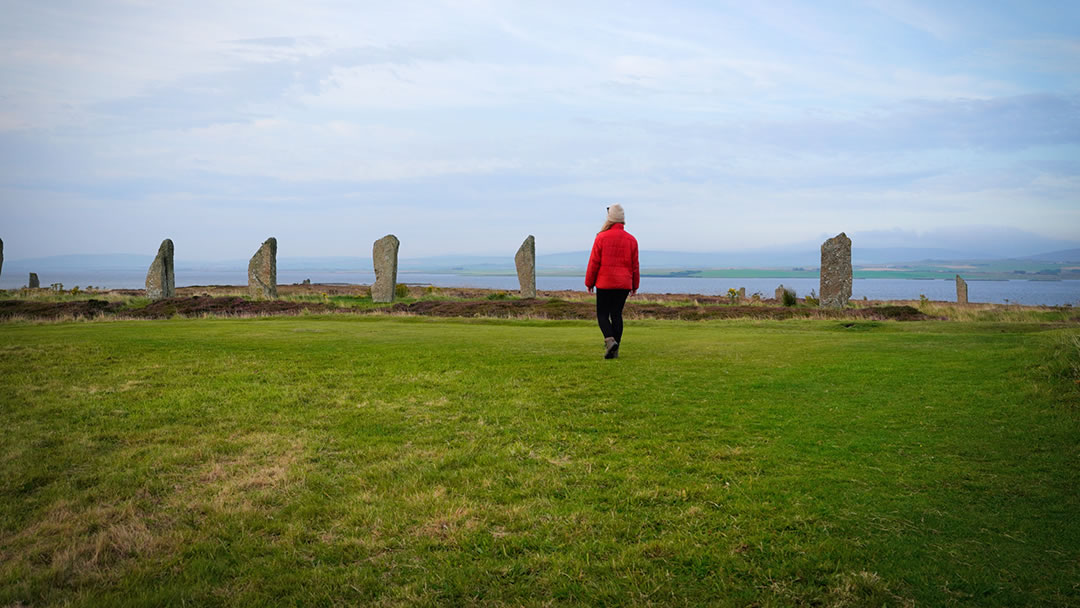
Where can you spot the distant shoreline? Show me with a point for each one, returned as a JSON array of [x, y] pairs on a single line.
[[982, 289], [738, 273]]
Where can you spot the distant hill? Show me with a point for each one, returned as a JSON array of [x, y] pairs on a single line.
[[895, 255], [78, 263], [778, 258], [106, 261], [768, 258], [1063, 256]]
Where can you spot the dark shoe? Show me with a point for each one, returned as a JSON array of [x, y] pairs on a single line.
[[611, 348]]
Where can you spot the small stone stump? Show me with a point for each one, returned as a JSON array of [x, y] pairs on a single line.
[[262, 271], [525, 260], [961, 290], [835, 286], [35, 282], [160, 280], [384, 256]]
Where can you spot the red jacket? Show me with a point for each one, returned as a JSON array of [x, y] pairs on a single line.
[[613, 263]]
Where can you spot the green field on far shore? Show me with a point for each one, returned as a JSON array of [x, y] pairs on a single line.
[[971, 270], [378, 460]]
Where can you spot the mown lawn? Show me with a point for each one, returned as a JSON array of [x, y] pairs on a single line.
[[390, 461]]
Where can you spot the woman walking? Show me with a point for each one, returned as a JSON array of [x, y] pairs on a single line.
[[613, 271]]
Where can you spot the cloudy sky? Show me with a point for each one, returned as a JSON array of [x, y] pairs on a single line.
[[463, 126]]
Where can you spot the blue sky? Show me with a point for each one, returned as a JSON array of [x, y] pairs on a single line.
[[464, 126]]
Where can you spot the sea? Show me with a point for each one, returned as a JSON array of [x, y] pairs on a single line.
[[1048, 293]]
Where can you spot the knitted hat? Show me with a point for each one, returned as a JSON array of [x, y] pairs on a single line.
[[615, 215]]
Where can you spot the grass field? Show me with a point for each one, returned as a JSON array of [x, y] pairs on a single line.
[[351, 460]]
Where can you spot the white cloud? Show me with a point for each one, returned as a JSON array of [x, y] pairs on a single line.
[[919, 17], [765, 121]]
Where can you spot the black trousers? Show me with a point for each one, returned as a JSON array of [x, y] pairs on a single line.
[[609, 305]]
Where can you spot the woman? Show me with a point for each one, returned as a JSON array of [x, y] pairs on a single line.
[[613, 271]]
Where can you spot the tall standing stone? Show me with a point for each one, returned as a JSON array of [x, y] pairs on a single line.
[[525, 260], [1, 256], [384, 256], [160, 280], [742, 293], [34, 281], [262, 271], [835, 287], [961, 290], [779, 293]]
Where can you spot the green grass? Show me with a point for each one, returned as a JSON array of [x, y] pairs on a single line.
[[390, 461]]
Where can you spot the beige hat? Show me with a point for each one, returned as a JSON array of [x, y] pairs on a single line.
[[615, 215]]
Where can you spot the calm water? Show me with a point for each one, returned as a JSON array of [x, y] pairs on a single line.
[[1054, 293]]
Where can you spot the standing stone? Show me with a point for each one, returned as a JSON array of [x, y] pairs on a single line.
[[961, 290], [742, 293], [384, 256], [1, 256], [835, 287], [160, 280], [35, 282], [525, 260], [262, 271], [779, 294]]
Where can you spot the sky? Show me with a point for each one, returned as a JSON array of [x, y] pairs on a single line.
[[464, 126]]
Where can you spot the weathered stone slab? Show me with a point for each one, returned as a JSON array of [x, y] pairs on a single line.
[[262, 271], [160, 280], [34, 281], [742, 293], [525, 260], [779, 293], [835, 286], [961, 290], [384, 256]]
